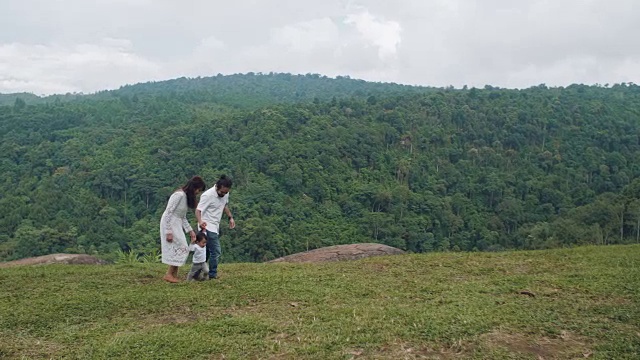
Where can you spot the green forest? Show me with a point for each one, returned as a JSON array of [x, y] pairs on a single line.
[[318, 161]]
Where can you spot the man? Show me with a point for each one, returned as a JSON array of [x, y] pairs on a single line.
[[209, 212]]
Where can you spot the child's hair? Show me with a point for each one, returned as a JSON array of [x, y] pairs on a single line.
[[201, 236]]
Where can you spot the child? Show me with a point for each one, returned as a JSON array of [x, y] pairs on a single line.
[[199, 269]]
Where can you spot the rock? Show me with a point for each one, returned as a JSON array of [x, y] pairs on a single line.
[[55, 259], [340, 253]]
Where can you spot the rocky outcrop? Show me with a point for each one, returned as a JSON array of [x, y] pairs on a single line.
[[55, 259], [340, 253]]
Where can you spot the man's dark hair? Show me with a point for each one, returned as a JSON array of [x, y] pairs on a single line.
[[224, 181]]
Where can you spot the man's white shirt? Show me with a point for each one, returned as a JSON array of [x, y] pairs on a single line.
[[211, 207]]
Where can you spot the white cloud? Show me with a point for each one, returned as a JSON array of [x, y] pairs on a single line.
[[326, 45], [307, 36], [44, 69], [108, 43], [204, 60], [385, 35]]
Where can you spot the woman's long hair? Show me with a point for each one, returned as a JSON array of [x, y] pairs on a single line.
[[195, 183]]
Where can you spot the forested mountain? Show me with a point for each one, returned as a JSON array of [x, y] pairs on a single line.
[[239, 90], [328, 162], [10, 99]]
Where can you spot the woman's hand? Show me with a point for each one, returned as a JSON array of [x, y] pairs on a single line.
[[193, 236], [169, 237]]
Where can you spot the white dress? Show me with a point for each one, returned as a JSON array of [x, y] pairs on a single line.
[[174, 220]]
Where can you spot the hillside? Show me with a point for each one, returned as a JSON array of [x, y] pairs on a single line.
[[414, 168], [238, 90], [561, 304]]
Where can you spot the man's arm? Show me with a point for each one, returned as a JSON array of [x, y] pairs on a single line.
[[232, 223], [202, 206]]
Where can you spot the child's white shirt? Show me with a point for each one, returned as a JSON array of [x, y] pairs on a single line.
[[199, 253]]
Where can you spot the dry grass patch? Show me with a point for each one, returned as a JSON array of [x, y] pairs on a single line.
[[565, 346], [20, 346]]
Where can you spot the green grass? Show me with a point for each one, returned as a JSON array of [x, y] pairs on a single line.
[[438, 306]]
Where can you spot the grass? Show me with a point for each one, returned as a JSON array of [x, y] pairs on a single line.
[[432, 306]]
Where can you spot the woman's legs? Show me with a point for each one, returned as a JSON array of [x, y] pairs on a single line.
[[172, 274]]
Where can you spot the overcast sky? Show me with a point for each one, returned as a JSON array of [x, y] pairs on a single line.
[[59, 46]]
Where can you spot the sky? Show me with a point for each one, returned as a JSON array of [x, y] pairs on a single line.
[[61, 46]]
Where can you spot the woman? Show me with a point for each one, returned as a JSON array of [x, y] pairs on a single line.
[[174, 225]]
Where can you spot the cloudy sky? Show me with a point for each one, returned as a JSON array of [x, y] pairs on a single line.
[[59, 46]]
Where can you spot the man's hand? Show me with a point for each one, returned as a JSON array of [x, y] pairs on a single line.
[[169, 237], [193, 236], [232, 223], [203, 225]]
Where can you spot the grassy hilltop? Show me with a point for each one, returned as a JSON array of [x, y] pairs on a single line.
[[581, 303]]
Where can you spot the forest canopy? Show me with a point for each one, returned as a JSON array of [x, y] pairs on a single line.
[[319, 161]]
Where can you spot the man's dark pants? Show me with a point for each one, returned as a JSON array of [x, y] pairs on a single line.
[[214, 251]]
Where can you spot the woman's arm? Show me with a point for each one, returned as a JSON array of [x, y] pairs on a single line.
[[172, 205]]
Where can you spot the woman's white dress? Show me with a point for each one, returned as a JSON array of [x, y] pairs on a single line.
[[174, 220]]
